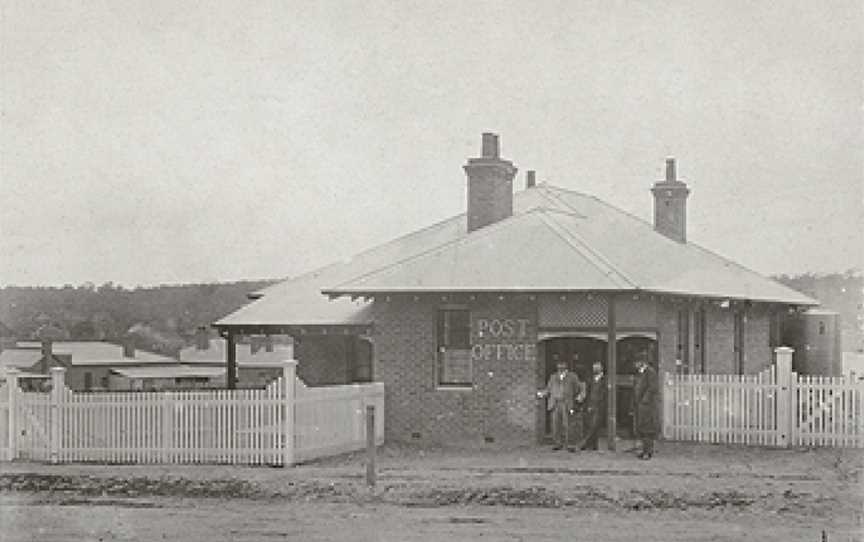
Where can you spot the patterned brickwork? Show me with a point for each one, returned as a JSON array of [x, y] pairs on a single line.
[[571, 310], [501, 405]]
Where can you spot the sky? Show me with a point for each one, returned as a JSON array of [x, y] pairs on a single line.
[[157, 142]]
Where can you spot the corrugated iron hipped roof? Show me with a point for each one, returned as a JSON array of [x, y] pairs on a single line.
[[556, 241]]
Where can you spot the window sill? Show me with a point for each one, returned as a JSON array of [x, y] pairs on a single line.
[[451, 387]]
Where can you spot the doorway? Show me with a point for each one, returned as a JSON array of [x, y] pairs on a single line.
[[591, 349]]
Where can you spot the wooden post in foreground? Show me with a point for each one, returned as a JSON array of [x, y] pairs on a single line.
[[12, 388], [370, 445], [289, 378], [786, 381], [58, 385]]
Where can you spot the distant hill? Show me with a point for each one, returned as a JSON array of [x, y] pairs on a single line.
[[107, 312], [841, 292]]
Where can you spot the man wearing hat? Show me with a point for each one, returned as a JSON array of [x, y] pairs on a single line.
[[645, 392], [562, 392]]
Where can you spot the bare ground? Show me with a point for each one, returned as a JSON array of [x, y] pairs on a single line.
[[688, 492]]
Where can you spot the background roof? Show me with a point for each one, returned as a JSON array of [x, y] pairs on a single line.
[[244, 356], [98, 353]]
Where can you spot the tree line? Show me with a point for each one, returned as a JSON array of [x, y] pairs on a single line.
[[159, 318]]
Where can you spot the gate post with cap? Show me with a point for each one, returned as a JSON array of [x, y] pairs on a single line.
[[58, 385]]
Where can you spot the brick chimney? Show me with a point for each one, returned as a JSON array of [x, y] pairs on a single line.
[[129, 347], [202, 338], [490, 185], [670, 205]]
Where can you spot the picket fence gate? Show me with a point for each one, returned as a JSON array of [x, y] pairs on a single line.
[[279, 425], [776, 407]]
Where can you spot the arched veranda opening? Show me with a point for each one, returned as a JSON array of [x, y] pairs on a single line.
[[592, 347]]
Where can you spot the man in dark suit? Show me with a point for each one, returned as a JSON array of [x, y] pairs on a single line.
[[593, 407], [645, 392]]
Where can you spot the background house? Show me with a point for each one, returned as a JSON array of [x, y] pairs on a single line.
[[88, 364]]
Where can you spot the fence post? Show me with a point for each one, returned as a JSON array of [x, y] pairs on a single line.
[[58, 384], [167, 448], [370, 445], [12, 385], [786, 414], [289, 377]]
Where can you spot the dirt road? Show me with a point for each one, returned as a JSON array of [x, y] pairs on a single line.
[[687, 493]]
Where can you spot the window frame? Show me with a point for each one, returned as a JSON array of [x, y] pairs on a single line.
[[443, 329]]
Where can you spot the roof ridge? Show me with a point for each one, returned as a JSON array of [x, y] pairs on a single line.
[[473, 235], [594, 256]]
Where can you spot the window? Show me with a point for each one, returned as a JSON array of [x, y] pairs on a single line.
[[454, 348]]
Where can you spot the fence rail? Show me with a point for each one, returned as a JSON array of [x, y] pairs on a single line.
[[776, 407], [278, 425]]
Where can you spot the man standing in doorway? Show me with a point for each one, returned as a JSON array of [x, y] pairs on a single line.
[[562, 391], [594, 403], [645, 402]]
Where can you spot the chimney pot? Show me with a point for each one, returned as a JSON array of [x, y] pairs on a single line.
[[530, 178], [490, 145], [670, 170]]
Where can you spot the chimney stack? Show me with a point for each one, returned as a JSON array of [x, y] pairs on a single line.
[[670, 205], [129, 347], [490, 185], [530, 179], [202, 338], [47, 348]]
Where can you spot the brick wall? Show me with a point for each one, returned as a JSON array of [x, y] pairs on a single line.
[[501, 404], [667, 329], [757, 350], [720, 340]]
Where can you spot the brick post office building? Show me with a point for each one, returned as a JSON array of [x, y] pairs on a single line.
[[460, 320]]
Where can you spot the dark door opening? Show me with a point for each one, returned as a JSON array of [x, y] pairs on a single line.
[[589, 350]]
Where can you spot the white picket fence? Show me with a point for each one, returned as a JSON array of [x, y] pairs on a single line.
[[776, 407], [279, 425]]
